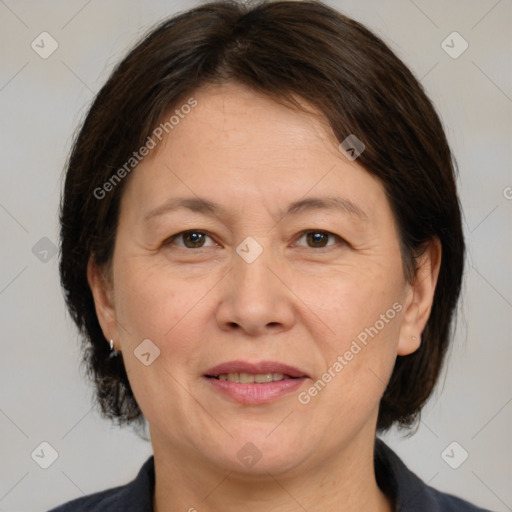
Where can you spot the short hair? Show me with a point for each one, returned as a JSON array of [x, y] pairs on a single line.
[[284, 50]]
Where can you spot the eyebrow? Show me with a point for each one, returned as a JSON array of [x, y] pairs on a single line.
[[207, 207]]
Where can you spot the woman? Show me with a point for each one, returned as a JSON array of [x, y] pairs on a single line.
[[261, 243]]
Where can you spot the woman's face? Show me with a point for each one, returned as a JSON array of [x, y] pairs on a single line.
[[317, 288]]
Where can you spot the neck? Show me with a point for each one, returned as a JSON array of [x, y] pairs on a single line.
[[343, 482]]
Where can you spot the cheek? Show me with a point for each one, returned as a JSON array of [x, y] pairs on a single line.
[[358, 360], [346, 300], [147, 304], [171, 311], [161, 309], [361, 313]]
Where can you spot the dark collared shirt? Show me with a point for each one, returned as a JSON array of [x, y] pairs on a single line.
[[409, 493]]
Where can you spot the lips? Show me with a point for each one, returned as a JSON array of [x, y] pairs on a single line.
[[273, 381], [255, 369]]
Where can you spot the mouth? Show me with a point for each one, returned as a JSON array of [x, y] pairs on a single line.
[[255, 383], [249, 378], [245, 372]]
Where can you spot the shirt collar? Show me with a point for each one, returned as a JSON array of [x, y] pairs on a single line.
[[408, 492]]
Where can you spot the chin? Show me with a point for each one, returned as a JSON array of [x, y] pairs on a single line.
[[260, 453]]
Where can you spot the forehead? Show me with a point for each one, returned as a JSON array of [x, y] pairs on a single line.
[[240, 145], [234, 117]]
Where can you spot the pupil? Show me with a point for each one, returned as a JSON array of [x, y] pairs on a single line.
[[195, 237], [317, 237]]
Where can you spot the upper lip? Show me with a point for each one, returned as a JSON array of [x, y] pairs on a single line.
[[255, 368]]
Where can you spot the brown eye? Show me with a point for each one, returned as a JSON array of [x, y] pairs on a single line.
[[319, 239], [191, 239]]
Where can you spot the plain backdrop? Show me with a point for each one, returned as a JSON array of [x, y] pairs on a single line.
[[45, 398]]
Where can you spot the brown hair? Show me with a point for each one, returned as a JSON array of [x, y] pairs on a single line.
[[281, 49]]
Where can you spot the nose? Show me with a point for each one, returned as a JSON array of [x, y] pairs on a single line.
[[255, 298]]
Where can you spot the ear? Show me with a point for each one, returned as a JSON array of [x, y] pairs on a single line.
[[102, 291], [419, 299]]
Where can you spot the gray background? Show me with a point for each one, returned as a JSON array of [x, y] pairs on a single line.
[[44, 396]]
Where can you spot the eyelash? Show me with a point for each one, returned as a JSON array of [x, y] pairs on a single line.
[[340, 240]]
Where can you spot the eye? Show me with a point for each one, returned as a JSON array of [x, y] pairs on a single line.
[[192, 239], [195, 239], [318, 239]]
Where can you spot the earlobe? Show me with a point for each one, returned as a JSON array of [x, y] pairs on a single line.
[[101, 288], [420, 298]]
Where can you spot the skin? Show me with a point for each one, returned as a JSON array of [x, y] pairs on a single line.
[[299, 303]]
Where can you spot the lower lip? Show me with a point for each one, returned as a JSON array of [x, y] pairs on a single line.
[[255, 394]]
